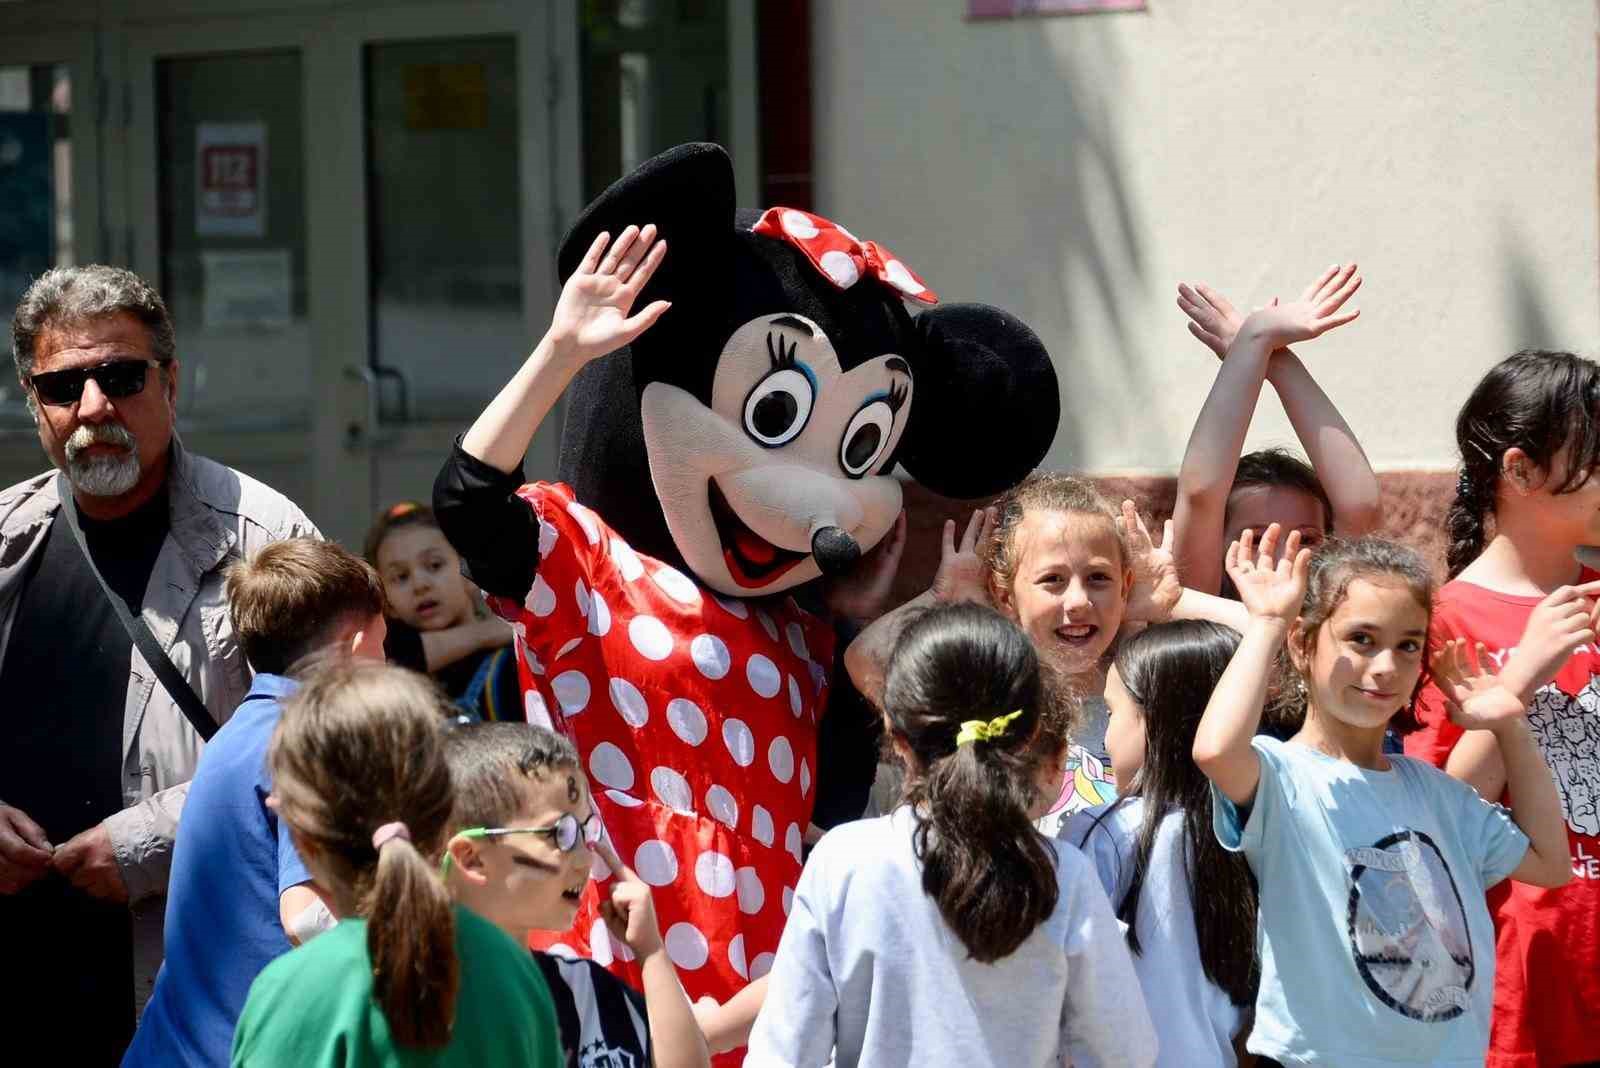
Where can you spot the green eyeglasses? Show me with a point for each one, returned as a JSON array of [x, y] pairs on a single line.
[[564, 834]]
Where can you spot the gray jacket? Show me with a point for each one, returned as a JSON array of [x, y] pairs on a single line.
[[217, 515]]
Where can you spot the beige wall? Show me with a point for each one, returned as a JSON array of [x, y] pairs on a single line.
[[1074, 169]]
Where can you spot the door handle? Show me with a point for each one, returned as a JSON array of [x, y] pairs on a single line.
[[358, 434]]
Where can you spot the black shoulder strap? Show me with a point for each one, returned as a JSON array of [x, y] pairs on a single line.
[[172, 680]]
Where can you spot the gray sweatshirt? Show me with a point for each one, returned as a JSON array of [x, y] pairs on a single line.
[[868, 973]]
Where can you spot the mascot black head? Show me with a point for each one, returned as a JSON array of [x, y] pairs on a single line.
[[750, 434]]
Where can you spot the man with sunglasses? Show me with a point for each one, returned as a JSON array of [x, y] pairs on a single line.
[[96, 752]]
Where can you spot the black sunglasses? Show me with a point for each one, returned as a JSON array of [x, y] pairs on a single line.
[[116, 379]]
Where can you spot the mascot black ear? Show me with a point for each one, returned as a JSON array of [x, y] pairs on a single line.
[[985, 402], [686, 191]]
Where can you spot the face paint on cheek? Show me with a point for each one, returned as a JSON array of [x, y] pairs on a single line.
[[572, 789]]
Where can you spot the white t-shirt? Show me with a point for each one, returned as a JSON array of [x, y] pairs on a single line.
[[868, 965], [1195, 1019]]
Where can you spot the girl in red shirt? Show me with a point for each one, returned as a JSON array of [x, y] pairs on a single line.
[[1529, 437]]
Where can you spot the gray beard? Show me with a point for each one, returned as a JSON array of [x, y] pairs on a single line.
[[103, 476]]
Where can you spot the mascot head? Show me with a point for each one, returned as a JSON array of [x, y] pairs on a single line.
[[750, 434]]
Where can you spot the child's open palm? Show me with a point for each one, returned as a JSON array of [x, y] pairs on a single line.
[[1474, 694], [591, 317], [1213, 319], [1271, 586], [1156, 587], [1318, 310], [962, 574]]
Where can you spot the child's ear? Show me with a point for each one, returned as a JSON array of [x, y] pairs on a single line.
[[466, 859], [1520, 472], [1299, 655]]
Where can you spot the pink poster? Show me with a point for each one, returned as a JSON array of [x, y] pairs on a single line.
[[1005, 9]]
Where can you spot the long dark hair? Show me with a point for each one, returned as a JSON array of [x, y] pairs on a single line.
[[1170, 670], [1536, 401], [991, 873]]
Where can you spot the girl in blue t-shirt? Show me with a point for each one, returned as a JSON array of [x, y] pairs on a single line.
[[1375, 939]]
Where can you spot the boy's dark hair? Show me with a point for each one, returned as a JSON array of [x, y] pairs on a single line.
[[992, 874], [489, 761], [395, 517], [292, 597], [1278, 466], [1169, 670], [1534, 400]]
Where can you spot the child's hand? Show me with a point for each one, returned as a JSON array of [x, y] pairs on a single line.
[[1314, 314], [963, 575], [1477, 699], [1156, 588], [591, 317], [1557, 625], [631, 913], [1212, 317], [1270, 586]]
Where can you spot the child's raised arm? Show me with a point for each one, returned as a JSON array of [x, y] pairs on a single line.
[[1212, 457], [1477, 700], [1272, 588], [591, 319]]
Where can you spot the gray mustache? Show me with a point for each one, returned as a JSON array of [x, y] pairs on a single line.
[[102, 434]]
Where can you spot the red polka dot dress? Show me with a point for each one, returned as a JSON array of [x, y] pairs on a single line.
[[696, 719]]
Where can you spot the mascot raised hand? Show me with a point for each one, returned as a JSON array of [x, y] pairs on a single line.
[[726, 499]]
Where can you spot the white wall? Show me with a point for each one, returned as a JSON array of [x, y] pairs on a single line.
[[1074, 169]]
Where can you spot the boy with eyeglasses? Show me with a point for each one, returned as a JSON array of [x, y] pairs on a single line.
[[520, 855]]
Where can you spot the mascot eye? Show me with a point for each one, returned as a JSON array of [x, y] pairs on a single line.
[[777, 409], [865, 438]]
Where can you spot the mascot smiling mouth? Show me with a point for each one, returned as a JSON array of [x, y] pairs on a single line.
[[753, 561]]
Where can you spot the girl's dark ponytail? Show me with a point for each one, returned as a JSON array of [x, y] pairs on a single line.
[[411, 939], [1536, 401], [991, 873]]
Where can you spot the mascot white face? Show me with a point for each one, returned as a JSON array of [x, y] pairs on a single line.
[[783, 472]]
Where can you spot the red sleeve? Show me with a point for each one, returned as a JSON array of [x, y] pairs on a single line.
[[1438, 735]]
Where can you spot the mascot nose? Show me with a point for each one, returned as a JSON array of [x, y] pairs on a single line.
[[835, 550]]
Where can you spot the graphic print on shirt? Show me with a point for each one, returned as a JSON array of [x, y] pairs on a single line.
[[1408, 927], [599, 1055], [1567, 728]]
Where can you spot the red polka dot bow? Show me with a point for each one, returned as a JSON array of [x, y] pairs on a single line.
[[837, 254]]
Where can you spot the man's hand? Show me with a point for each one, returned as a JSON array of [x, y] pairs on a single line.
[[87, 862], [24, 850], [863, 593]]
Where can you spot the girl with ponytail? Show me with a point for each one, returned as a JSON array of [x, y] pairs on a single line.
[[951, 931], [1527, 502], [359, 775]]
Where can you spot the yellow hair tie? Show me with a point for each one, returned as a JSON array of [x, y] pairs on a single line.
[[976, 730]]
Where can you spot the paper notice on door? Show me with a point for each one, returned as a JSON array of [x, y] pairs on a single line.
[[246, 289], [231, 179]]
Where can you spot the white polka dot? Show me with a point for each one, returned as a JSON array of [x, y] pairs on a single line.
[[767, 624], [586, 520], [763, 676], [736, 956], [600, 944], [721, 804], [751, 893], [673, 790], [900, 277], [610, 767], [788, 899], [841, 268], [780, 758], [734, 608], [760, 966], [567, 647], [655, 862], [629, 703], [533, 707], [805, 777], [677, 585], [686, 946], [714, 874], [794, 697], [819, 676], [581, 592], [625, 800], [797, 640], [572, 691], [534, 664], [686, 720], [627, 561], [650, 637], [541, 598], [561, 949], [761, 826], [548, 536], [797, 225], [840, 227], [599, 616], [740, 742], [710, 655], [792, 840]]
